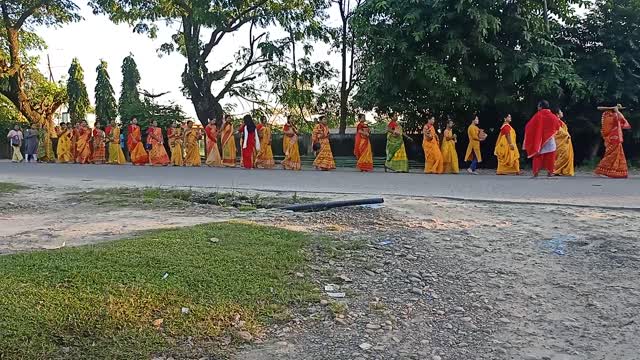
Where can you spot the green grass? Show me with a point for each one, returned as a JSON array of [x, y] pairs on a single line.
[[161, 198], [101, 301], [10, 187]]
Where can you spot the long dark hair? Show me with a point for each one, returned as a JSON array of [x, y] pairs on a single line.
[[249, 124]]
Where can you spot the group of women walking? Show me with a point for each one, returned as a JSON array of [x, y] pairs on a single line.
[[80, 144]]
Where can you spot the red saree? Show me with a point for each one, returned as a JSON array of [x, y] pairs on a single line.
[[613, 163]]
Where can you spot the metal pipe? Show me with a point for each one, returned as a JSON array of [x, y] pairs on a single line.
[[332, 204]]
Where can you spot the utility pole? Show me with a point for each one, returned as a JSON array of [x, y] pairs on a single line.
[[49, 66]]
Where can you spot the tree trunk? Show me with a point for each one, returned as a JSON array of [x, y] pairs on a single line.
[[16, 91], [344, 95]]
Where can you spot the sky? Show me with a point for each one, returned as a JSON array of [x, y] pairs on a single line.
[[97, 38]]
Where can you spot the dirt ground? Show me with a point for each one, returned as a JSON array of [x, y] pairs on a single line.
[[421, 278]]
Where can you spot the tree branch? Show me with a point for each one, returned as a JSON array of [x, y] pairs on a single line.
[[28, 13], [232, 25]]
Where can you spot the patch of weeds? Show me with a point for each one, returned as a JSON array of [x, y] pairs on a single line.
[[338, 308], [113, 300], [6, 187]]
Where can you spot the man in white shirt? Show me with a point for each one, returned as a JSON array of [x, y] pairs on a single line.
[[15, 139]]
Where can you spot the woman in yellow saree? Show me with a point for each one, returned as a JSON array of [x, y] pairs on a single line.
[[324, 157], [213, 155], [228, 143], [65, 153], [192, 146], [290, 146], [83, 144], [396, 160], [45, 146], [433, 157], [137, 153], [362, 148], [474, 155], [157, 155], [448, 149], [116, 156], [564, 149], [264, 158], [176, 139], [507, 150]]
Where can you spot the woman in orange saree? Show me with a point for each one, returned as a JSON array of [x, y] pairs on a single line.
[[324, 156], [613, 163], [264, 158], [290, 146], [448, 149], [433, 157], [99, 145], [157, 155], [137, 152], [213, 153], [228, 143], [83, 144], [192, 145], [362, 148], [506, 150], [176, 139]]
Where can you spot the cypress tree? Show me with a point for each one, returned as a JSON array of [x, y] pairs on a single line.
[[130, 104], [106, 108], [77, 92]]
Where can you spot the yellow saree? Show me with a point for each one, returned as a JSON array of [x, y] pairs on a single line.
[[449, 153], [508, 158], [264, 158], [433, 157], [192, 147], [228, 144], [564, 153]]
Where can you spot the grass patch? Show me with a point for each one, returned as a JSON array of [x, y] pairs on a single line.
[[6, 187], [157, 197], [106, 301]]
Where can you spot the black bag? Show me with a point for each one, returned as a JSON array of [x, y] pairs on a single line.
[[316, 146]]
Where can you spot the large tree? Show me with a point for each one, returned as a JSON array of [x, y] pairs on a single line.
[[203, 26], [106, 107], [18, 18], [77, 93], [345, 42]]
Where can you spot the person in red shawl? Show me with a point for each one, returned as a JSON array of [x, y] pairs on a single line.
[[539, 139], [613, 163]]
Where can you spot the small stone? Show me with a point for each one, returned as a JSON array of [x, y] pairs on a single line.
[[370, 273], [245, 335], [185, 310], [417, 291], [466, 319], [415, 279], [299, 274], [371, 326], [504, 320], [411, 257], [458, 309], [436, 357], [378, 271], [324, 302], [365, 346], [282, 343]]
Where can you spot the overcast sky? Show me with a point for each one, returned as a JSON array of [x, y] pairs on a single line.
[[96, 38]]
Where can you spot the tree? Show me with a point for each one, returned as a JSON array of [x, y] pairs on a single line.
[[348, 70], [106, 108], [130, 104], [77, 92], [17, 17], [456, 57], [203, 25]]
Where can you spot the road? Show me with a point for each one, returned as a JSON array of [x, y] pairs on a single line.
[[581, 190]]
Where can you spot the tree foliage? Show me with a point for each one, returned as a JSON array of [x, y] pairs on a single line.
[[79, 103], [19, 17], [129, 104], [106, 107], [457, 57]]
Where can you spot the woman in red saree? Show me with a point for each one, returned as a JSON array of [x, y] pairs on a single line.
[[362, 149], [613, 163], [157, 155], [250, 142], [99, 145], [83, 144], [134, 144]]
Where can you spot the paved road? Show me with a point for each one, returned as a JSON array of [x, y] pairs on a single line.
[[585, 190]]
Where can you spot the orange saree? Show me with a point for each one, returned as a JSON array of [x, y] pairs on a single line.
[[83, 146], [99, 146], [157, 155], [228, 144], [134, 143], [324, 158], [613, 163], [362, 148]]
